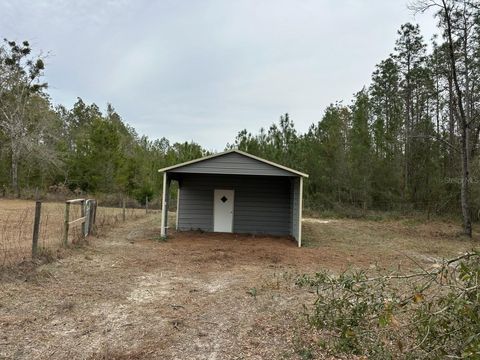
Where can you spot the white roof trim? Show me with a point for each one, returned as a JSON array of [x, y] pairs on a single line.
[[238, 152]]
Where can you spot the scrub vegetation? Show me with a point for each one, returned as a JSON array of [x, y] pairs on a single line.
[[432, 313]]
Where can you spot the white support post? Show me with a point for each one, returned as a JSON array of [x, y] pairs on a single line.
[[163, 229], [178, 207], [300, 207]]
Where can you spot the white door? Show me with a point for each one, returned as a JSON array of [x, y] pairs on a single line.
[[223, 210]]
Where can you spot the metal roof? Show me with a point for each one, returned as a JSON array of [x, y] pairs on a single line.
[[271, 163]]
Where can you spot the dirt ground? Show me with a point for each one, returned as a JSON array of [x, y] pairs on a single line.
[[129, 295]]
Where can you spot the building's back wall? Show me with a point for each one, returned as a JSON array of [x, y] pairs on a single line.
[[262, 203]]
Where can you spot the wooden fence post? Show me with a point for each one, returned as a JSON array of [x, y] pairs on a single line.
[[83, 226], [92, 216], [36, 228], [146, 204], [65, 225], [95, 213], [88, 214], [124, 205]]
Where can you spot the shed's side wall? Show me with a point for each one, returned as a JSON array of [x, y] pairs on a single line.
[[262, 204], [233, 163], [295, 206]]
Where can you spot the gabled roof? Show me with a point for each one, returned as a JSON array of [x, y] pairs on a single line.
[[234, 151]]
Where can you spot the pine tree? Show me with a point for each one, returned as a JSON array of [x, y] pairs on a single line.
[[360, 151]]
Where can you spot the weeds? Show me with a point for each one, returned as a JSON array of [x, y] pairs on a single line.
[[46, 255], [253, 292], [305, 353], [161, 239]]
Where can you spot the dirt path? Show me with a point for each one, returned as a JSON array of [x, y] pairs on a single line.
[[127, 296]]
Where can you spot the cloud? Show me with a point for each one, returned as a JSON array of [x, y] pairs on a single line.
[[202, 71]]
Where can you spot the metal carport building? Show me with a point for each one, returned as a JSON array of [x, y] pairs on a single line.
[[235, 192]]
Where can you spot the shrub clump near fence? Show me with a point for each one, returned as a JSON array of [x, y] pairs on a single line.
[[17, 225]]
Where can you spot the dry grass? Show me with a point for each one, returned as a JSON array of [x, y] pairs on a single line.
[[391, 242], [195, 295], [16, 226]]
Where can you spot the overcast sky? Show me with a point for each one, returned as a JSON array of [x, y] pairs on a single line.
[[204, 70]]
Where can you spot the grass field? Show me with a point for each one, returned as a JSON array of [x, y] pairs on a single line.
[[16, 226], [131, 295], [397, 242]]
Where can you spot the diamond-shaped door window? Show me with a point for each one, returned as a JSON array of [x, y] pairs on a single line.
[[224, 199]]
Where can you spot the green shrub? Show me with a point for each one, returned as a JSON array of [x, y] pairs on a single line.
[[426, 315], [142, 193]]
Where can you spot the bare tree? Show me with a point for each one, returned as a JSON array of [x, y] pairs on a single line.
[[20, 76], [458, 21]]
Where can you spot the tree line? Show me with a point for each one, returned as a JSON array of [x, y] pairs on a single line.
[[83, 149], [409, 140]]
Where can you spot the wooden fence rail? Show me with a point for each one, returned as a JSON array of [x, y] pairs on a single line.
[[88, 211]]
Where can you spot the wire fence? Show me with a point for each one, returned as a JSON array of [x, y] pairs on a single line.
[[17, 227]]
